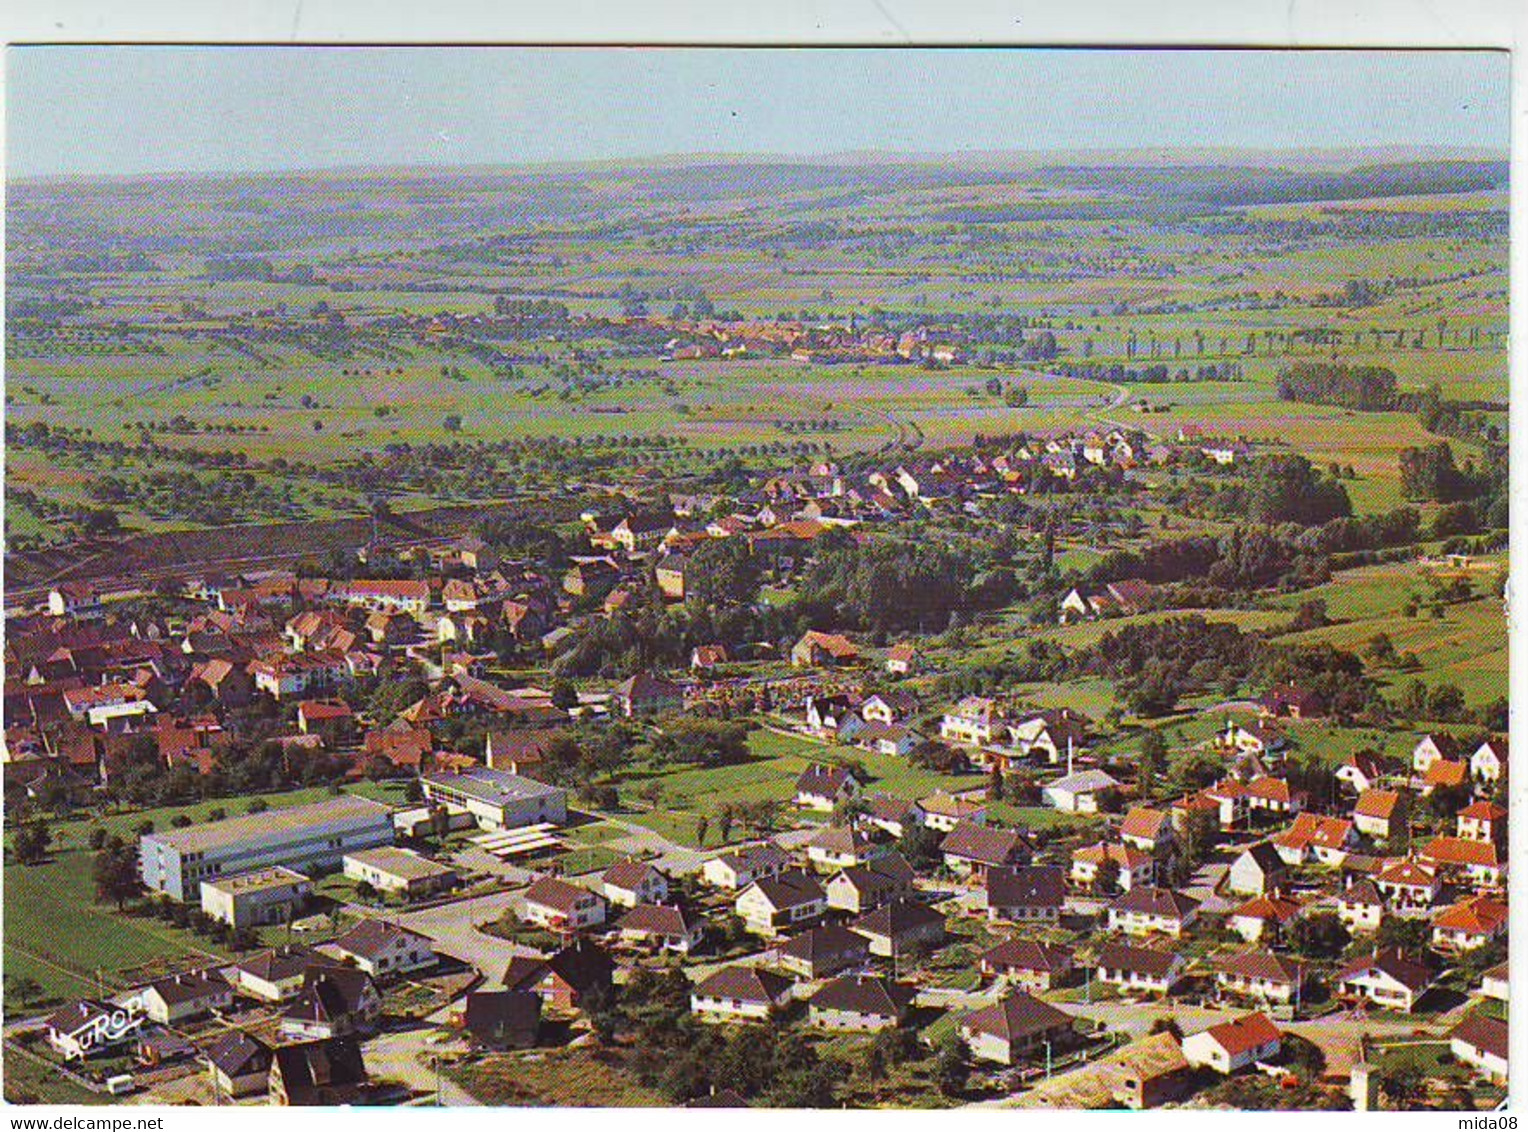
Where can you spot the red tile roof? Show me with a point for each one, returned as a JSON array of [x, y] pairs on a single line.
[[1245, 1034]]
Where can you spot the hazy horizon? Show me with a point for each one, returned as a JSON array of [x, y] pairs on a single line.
[[143, 112], [1313, 158]]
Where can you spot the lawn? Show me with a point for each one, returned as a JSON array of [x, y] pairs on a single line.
[[595, 858], [29, 1081], [58, 935], [684, 795], [74, 832]]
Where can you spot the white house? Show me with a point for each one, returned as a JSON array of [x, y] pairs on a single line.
[[1145, 910], [741, 868], [739, 994], [1361, 907], [629, 883], [1386, 978], [974, 722], [1489, 761], [1430, 749], [774, 904], [1234, 1045], [182, 997], [1257, 869], [555, 903], [1079, 793], [1138, 969], [824, 786], [1481, 1041], [382, 949]]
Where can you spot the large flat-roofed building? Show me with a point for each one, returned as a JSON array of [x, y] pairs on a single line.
[[498, 799], [275, 895], [307, 837]]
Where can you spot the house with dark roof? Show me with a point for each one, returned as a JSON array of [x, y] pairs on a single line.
[[901, 926], [818, 953], [644, 695], [565, 979], [891, 707], [1015, 1026], [662, 927], [563, 906], [1288, 701], [274, 975], [860, 888], [1026, 894], [1495, 983], [1386, 978], [326, 1073], [240, 1063], [1136, 969], [970, 849], [739, 994], [85, 1028], [823, 786], [742, 867], [1145, 910], [861, 1002], [774, 903], [1364, 770], [835, 847], [890, 815], [183, 997], [499, 1020], [1489, 762], [335, 1001], [1260, 975], [629, 883], [1027, 964], [1361, 906], [384, 950], [1481, 1041], [833, 717]]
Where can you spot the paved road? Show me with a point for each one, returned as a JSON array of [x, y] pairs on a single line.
[[405, 1056], [453, 930]]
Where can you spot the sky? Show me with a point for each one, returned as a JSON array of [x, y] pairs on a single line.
[[161, 110]]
